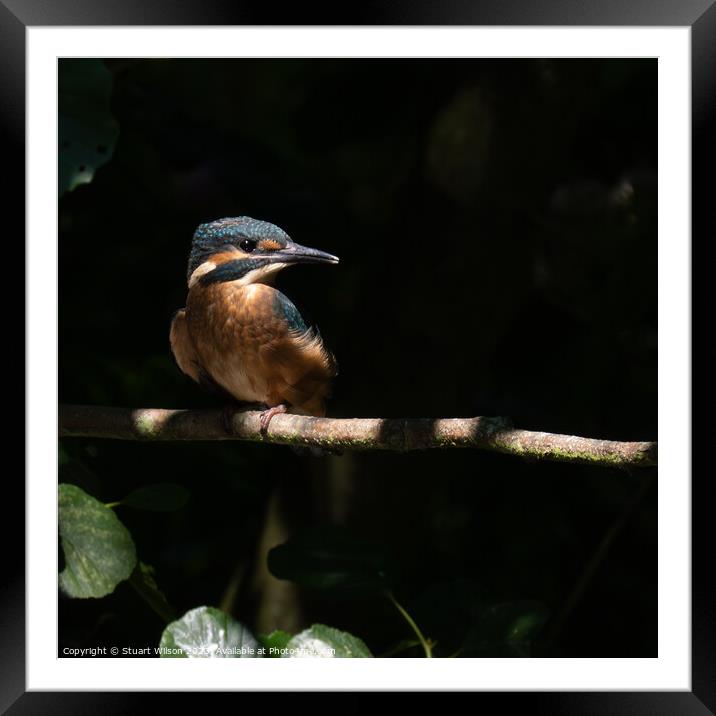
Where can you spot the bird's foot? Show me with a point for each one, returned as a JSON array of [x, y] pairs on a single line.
[[230, 410], [266, 415]]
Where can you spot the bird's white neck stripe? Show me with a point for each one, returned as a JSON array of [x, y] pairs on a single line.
[[200, 270], [265, 274]]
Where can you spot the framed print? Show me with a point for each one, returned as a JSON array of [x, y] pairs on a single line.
[[355, 341]]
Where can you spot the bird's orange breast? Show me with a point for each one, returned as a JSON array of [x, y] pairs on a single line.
[[246, 344]]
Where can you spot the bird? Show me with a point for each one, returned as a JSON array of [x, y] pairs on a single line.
[[238, 333]]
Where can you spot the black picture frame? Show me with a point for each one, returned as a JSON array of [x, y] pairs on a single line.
[[699, 15]]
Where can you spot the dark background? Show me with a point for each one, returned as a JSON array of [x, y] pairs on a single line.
[[496, 223]]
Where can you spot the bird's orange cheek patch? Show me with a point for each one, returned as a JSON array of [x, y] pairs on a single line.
[[224, 257], [269, 245]]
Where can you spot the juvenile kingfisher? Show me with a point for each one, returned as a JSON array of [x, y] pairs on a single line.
[[239, 333]]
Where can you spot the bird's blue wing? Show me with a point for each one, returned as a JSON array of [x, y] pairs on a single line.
[[287, 311]]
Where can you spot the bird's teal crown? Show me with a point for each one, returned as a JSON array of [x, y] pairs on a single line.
[[210, 237]]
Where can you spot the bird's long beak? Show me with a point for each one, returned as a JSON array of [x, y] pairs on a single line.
[[295, 254]]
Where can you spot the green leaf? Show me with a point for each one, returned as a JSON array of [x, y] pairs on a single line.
[[324, 642], [507, 629], [208, 633], [87, 131], [99, 551], [160, 497], [275, 642], [142, 579], [331, 559]]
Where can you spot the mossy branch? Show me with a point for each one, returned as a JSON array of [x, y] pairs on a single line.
[[340, 434]]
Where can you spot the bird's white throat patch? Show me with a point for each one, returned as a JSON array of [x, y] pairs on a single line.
[[265, 274]]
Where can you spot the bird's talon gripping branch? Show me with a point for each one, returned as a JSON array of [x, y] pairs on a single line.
[[267, 415]]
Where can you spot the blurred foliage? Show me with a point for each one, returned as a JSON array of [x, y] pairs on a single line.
[[496, 223], [159, 497], [86, 130], [331, 559], [274, 642]]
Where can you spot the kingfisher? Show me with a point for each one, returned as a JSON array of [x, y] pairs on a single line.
[[239, 333]]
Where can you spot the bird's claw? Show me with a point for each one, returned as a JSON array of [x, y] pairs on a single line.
[[266, 415]]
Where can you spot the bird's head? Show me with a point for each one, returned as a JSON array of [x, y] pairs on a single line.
[[245, 249]]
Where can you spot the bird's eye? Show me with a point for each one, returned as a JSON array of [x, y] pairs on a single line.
[[247, 245]]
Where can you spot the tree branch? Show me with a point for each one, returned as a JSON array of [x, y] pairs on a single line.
[[351, 434]]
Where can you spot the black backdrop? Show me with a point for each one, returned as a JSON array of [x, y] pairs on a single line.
[[496, 224]]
